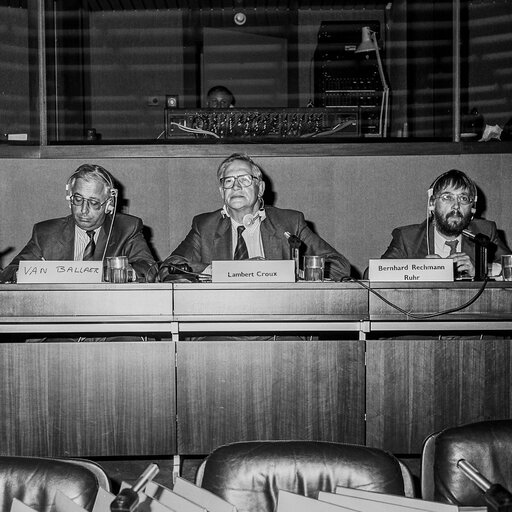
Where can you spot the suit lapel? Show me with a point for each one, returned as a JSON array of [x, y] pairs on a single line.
[[271, 246], [65, 242], [468, 247], [222, 241]]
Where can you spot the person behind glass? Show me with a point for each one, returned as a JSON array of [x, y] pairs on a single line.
[[452, 199], [244, 228], [92, 231], [220, 97]]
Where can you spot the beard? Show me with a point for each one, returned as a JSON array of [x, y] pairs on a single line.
[[452, 223]]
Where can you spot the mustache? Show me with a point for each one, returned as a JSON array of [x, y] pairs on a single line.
[[454, 214]]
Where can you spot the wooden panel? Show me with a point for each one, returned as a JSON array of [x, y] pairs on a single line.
[[234, 391], [61, 302], [294, 301], [416, 387], [426, 298], [87, 399]]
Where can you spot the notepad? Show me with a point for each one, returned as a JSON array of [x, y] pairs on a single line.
[[171, 499], [202, 497]]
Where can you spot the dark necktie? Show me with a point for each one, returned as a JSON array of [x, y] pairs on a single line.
[[89, 248], [453, 246], [241, 252]]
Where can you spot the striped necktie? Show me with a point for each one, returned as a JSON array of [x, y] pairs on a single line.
[[241, 252], [90, 247], [453, 246]]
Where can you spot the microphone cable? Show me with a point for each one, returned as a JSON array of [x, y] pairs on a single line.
[[417, 316]]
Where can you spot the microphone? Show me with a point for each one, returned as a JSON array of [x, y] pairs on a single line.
[[478, 238], [295, 243], [496, 496], [128, 499]]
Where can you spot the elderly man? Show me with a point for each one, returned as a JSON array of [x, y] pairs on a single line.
[[244, 228], [93, 230], [452, 201]]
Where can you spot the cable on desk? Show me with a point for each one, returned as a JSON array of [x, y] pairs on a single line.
[[418, 316]]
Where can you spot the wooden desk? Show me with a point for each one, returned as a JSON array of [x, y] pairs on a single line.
[[114, 399], [429, 374], [85, 308], [186, 397], [491, 311], [305, 307]]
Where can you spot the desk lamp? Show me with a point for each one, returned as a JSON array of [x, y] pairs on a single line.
[[369, 44]]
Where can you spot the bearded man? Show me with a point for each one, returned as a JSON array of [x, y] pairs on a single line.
[[452, 201]]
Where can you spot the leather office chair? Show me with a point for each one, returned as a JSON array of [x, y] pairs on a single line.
[[487, 445], [249, 474], [35, 480]]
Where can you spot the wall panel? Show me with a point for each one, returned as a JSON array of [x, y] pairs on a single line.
[[354, 202]]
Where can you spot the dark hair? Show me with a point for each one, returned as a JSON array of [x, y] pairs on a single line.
[[222, 89], [456, 179]]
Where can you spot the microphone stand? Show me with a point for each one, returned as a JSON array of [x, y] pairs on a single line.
[[295, 244], [128, 499], [496, 496], [482, 242]]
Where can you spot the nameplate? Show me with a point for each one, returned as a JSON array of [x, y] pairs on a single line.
[[409, 271], [60, 271], [253, 271]]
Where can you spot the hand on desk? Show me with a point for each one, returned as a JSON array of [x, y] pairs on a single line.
[[176, 272], [463, 264], [8, 275]]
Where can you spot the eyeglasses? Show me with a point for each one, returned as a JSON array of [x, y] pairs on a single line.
[[244, 180], [78, 200], [448, 197]]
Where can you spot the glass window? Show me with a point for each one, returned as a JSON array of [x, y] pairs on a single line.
[[486, 69], [19, 120], [280, 71]]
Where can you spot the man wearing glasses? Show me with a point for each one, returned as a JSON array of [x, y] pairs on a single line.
[[244, 228], [452, 199], [93, 230]]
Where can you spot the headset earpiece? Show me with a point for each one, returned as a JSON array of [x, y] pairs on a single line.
[[112, 201], [430, 201], [68, 194], [473, 208]]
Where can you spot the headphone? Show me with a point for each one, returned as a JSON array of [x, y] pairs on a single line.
[[104, 175], [250, 218], [430, 193]]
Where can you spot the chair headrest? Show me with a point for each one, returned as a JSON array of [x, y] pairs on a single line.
[[249, 474], [486, 445], [34, 481]]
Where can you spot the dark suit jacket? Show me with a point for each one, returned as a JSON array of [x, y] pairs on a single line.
[[54, 239], [411, 241], [210, 239]]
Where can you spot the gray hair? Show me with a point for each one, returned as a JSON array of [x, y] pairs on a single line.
[[92, 172], [255, 168]]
